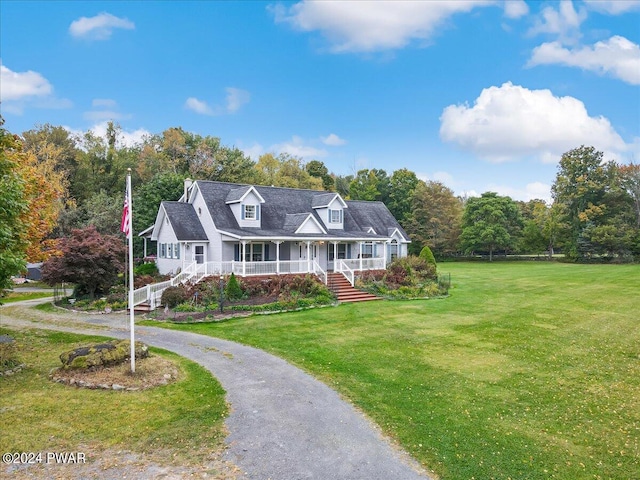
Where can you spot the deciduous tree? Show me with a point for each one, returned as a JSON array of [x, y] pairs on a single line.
[[13, 205], [489, 223], [435, 218], [89, 260]]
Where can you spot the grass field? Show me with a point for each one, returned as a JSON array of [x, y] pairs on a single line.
[[18, 296], [39, 415], [527, 371]]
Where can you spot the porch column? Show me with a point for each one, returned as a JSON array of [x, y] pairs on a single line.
[[384, 248], [361, 243], [244, 254], [277, 256], [308, 256]]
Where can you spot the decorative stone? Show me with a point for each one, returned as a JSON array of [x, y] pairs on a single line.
[[102, 354]]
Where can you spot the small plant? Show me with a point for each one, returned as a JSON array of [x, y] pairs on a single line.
[[232, 289], [173, 296], [8, 357]]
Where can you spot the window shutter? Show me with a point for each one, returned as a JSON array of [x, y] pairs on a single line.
[[236, 252], [341, 216], [242, 212], [266, 252], [177, 250], [258, 212]]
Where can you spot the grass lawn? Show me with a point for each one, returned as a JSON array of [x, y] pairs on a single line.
[[528, 370], [18, 296], [178, 423]]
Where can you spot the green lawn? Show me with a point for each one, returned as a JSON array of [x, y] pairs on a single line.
[[527, 371], [181, 422], [18, 296]]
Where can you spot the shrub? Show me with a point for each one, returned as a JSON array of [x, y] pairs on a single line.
[[232, 289], [173, 296], [427, 255], [148, 268]]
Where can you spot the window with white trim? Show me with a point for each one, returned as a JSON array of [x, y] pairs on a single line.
[[249, 212], [335, 216]]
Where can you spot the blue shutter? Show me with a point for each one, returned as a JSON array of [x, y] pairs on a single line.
[[177, 250], [236, 252], [258, 212], [341, 216], [266, 252], [242, 211]]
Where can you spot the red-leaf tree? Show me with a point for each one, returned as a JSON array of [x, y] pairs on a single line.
[[88, 259]]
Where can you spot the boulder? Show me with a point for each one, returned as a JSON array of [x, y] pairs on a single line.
[[102, 354]]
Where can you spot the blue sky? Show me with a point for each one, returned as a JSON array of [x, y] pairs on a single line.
[[481, 95]]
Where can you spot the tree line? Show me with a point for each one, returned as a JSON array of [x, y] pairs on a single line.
[[54, 182]]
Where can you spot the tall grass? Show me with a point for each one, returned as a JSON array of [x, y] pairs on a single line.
[[528, 370]]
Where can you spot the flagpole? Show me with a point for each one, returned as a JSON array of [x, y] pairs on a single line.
[[130, 235]]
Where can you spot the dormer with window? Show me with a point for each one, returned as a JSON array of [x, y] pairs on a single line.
[[330, 207], [245, 203]]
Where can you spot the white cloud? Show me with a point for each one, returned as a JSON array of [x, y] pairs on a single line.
[[198, 106], [613, 7], [297, 148], [333, 140], [531, 191], [100, 115], [515, 8], [235, 99], [103, 102], [22, 85], [564, 22], [616, 56], [124, 138], [370, 26], [106, 110], [99, 27], [254, 151], [510, 122]]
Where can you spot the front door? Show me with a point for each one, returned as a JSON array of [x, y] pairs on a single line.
[[199, 253]]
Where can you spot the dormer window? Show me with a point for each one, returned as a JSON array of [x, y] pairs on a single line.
[[251, 212], [335, 216]]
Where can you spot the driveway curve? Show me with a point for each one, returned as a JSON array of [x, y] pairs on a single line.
[[283, 424]]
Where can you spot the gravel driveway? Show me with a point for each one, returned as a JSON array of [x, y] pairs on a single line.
[[283, 424]]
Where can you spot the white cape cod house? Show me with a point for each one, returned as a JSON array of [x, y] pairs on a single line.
[[219, 228]]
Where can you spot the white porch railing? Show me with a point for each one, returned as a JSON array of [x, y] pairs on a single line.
[[197, 271], [343, 268], [317, 269], [365, 263]]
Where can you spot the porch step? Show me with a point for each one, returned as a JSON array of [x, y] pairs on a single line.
[[141, 308], [341, 287]]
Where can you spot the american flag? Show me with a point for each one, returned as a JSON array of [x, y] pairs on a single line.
[[126, 214]]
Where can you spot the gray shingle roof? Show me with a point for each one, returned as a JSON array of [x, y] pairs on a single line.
[[322, 199], [236, 194], [185, 222], [283, 207]]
